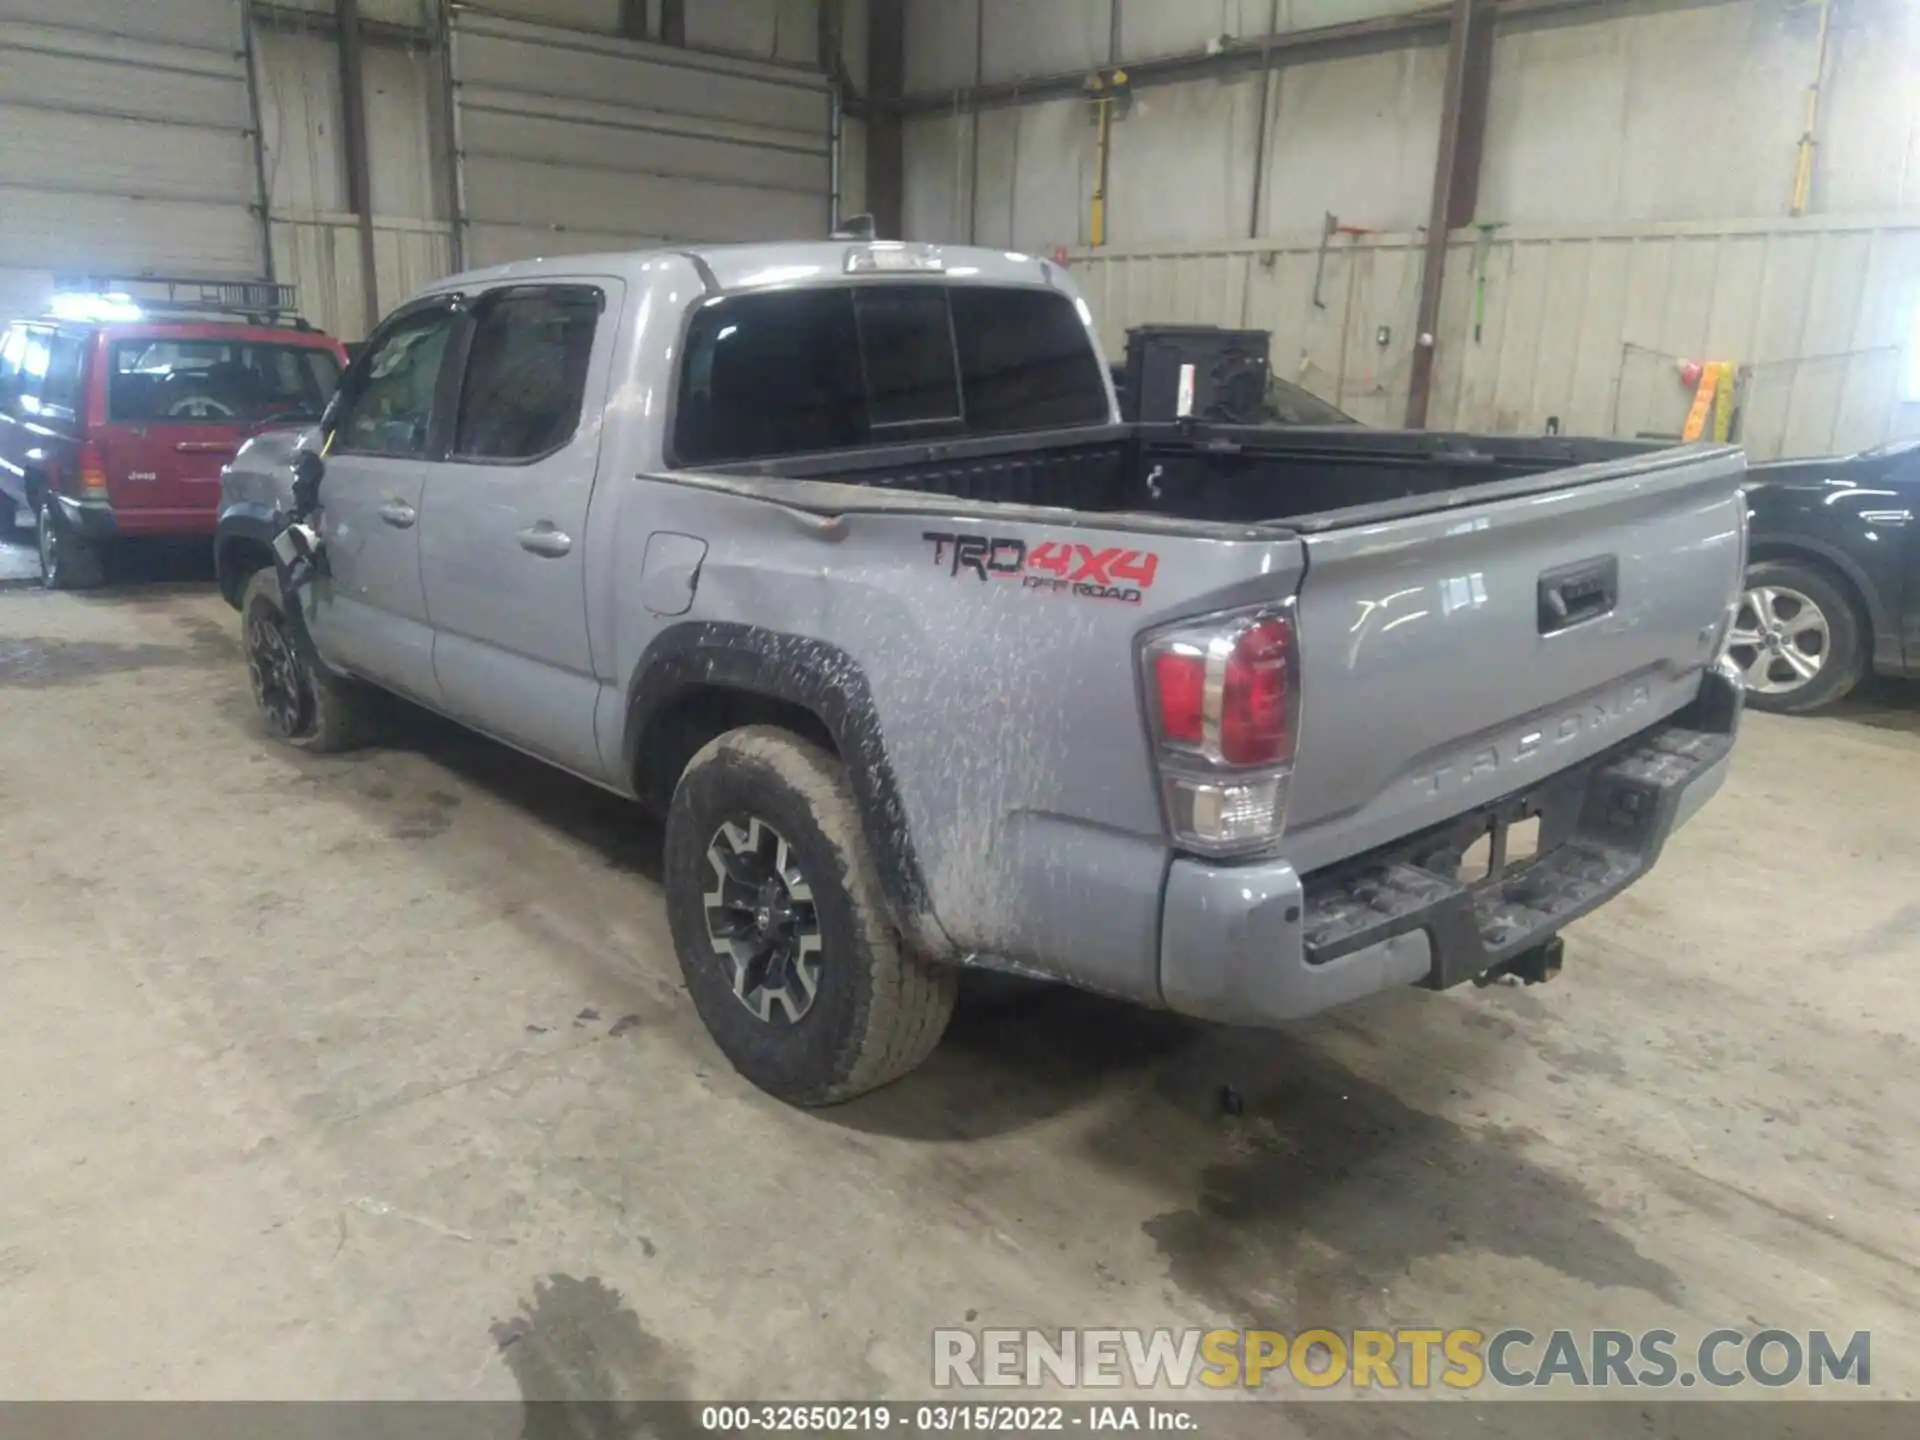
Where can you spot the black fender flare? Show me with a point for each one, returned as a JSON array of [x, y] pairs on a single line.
[[1786, 544], [828, 684], [249, 523]]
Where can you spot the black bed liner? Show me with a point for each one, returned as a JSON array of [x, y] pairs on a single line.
[[1306, 479]]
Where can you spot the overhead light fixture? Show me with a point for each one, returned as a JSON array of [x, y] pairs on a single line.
[[99, 309]]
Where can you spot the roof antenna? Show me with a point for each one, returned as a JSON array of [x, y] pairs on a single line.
[[856, 227]]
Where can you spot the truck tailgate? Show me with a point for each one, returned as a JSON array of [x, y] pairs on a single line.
[[1456, 655]]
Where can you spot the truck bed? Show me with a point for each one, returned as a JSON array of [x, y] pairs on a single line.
[[1475, 612], [1220, 474]]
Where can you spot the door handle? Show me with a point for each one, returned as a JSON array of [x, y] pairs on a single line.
[[545, 541], [1573, 593], [399, 514]]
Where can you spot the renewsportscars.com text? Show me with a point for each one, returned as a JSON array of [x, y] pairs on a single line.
[[1408, 1358]]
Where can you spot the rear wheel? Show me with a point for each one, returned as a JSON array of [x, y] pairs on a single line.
[[782, 934], [67, 562], [1798, 642], [301, 706]]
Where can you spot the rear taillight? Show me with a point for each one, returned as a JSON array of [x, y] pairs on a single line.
[[1223, 705], [93, 471]]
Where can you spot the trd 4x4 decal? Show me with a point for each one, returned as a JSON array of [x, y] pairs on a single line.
[[1055, 567]]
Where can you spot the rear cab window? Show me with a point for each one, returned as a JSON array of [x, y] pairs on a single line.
[[794, 372], [160, 380]]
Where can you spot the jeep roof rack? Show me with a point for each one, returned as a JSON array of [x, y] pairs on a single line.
[[260, 302]]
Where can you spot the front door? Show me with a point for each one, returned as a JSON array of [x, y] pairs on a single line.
[[503, 534], [369, 609]]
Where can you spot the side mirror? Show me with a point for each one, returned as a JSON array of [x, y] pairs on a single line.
[[308, 468]]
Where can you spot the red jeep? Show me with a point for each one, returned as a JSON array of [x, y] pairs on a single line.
[[117, 413]]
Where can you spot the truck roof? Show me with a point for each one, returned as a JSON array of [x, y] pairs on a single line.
[[746, 267]]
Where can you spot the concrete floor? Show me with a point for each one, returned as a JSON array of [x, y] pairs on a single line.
[[326, 1077]]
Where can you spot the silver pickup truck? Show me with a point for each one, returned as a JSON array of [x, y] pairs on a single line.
[[838, 555]]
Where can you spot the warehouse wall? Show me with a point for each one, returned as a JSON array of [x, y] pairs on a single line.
[[1638, 167], [1637, 110], [316, 238], [124, 143], [130, 137], [1585, 327]]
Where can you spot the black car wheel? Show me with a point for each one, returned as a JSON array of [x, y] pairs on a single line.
[[313, 711], [782, 934], [1798, 642], [66, 561]]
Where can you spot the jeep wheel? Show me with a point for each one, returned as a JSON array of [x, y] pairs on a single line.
[[66, 561], [306, 709], [783, 937]]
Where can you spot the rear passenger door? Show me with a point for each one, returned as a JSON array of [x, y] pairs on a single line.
[[504, 524]]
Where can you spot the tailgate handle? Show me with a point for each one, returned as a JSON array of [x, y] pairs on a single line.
[[1582, 591], [205, 447]]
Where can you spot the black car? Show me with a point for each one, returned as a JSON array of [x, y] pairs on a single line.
[[1833, 577]]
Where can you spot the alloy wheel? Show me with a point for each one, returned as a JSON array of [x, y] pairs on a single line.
[[761, 920], [1780, 640], [278, 686]]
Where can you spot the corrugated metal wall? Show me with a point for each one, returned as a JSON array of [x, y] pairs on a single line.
[[316, 244], [126, 143], [1665, 110], [1587, 325], [568, 143], [127, 137]]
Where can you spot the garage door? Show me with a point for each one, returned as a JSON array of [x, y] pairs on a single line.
[[124, 143], [571, 142]]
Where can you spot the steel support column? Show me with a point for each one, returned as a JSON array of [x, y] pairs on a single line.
[[886, 144], [353, 114], [1447, 183]]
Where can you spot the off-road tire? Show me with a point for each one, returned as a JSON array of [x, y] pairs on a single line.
[[331, 715], [879, 1010], [67, 562]]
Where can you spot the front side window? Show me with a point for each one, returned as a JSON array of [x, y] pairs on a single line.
[[391, 409], [218, 381], [526, 373]]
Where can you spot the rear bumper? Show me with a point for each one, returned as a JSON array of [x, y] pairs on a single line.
[[1257, 945], [101, 520], [90, 519]]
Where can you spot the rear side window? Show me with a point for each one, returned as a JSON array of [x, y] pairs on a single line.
[[217, 381], [24, 362], [801, 371], [1025, 363], [13, 347], [66, 357], [526, 373], [771, 374]]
